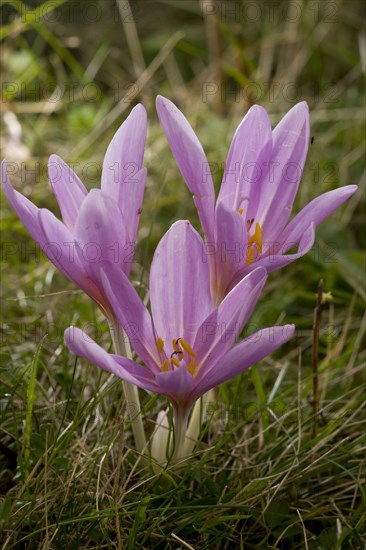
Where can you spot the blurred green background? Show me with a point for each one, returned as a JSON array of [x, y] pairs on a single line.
[[71, 72]]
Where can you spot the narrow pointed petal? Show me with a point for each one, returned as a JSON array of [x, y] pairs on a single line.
[[68, 189], [101, 234], [230, 247], [191, 160], [244, 355], [291, 139], [179, 284], [24, 208], [316, 211], [132, 314], [276, 256], [133, 204], [123, 160], [60, 249], [219, 331], [82, 345], [250, 147]]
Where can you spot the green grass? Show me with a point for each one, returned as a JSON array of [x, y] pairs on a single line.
[[69, 474]]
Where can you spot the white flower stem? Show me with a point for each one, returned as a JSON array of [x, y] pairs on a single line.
[[198, 416], [160, 438], [180, 427], [194, 426], [122, 347]]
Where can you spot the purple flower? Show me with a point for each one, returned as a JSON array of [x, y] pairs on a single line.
[[249, 224], [97, 226], [187, 347]]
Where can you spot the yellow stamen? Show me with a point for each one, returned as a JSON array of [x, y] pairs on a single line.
[[159, 345], [186, 346], [257, 237], [240, 210], [175, 361], [165, 366], [191, 366], [255, 244]]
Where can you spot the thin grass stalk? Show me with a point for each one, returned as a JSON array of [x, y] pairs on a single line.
[[315, 356]]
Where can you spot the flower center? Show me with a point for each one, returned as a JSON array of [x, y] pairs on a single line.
[[182, 351]]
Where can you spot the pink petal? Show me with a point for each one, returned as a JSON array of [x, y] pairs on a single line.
[[123, 162], [177, 384], [316, 211], [81, 344], [191, 159], [132, 203], [132, 314], [291, 139], [244, 355], [60, 249], [276, 256], [250, 147], [221, 328], [179, 284], [101, 234], [230, 248], [24, 208], [68, 189]]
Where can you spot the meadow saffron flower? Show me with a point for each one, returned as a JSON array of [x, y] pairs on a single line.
[[249, 224], [187, 347], [97, 226]]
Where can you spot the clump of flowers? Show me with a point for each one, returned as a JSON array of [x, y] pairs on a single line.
[[201, 293]]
